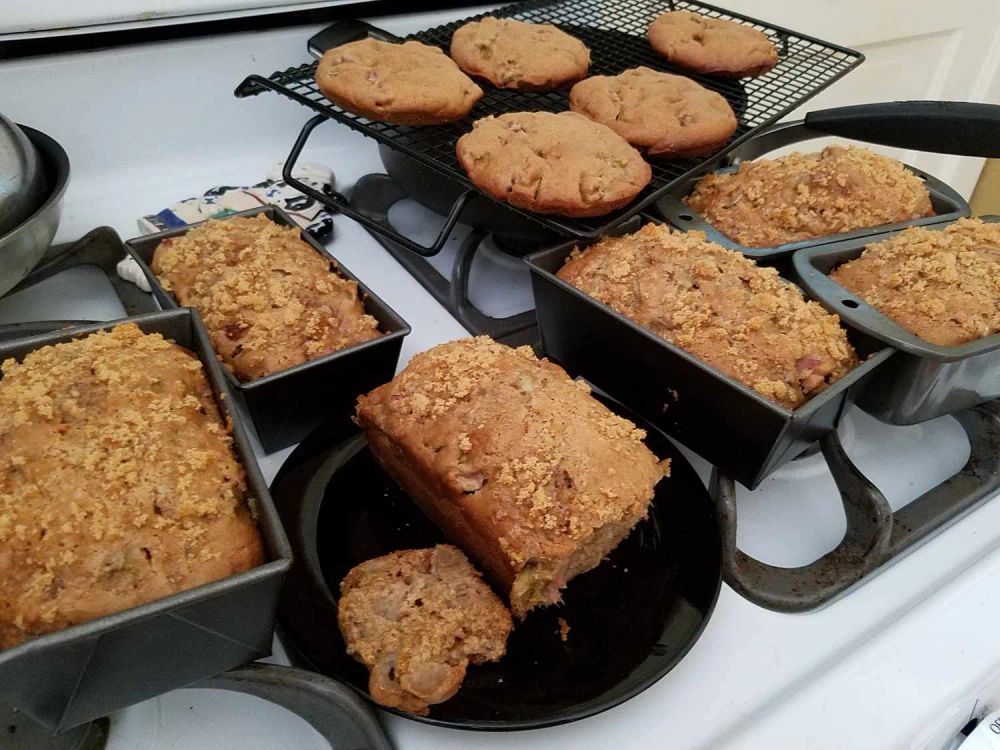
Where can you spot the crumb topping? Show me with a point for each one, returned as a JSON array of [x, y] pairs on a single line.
[[268, 299], [518, 436], [941, 285], [800, 196], [720, 306], [118, 482]]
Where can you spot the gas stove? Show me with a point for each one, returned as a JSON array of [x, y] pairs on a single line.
[[902, 661]]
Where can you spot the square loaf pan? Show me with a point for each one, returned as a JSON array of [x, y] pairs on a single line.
[[287, 405], [729, 424], [924, 380], [78, 674], [948, 205]]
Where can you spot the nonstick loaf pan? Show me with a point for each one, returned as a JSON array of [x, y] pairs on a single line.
[[286, 406], [727, 423], [924, 380], [948, 205], [72, 676]]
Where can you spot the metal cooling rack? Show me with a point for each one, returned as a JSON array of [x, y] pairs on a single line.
[[615, 32]]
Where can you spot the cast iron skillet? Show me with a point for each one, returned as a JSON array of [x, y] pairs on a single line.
[[631, 619]]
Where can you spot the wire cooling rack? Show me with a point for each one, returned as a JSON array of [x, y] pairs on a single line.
[[615, 32]]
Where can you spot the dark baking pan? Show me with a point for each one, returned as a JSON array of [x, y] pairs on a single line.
[[724, 421], [924, 380], [948, 205], [287, 405], [66, 678], [631, 619]]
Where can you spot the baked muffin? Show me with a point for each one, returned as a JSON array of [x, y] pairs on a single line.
[[743, 320], [417, 619], [535, 479], [771, 202], [407, 84], [118, 483], [269, 300], [940, 285], [515, 54]]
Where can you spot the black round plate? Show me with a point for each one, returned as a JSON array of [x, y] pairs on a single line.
[[631, 619]]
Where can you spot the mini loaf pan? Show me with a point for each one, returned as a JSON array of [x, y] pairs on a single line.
[[948, 205], [726, 422], [286, 406], [78, 674], [924, 380]]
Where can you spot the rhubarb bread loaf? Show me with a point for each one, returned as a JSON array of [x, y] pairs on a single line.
[[720, 306], [535, 479]]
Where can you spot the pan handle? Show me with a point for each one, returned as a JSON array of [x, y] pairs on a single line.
[[343, 32], [338, 203], [333, 709], [960, 128], [863, 548]]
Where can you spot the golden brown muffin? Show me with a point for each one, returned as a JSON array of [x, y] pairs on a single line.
[[561, 164], [720, 306], [801, 196], [118, 483], [417, 619], [268, 299], [713, 46], [518, 55], [943, 286], [536, 480], [668, 115], [407, 84]]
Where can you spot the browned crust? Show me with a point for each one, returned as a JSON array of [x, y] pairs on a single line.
[[406, 84], [712, 46], [514, 54], [667, 115], [561, 164]]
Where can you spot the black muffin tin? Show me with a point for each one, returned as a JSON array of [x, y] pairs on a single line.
[[923, 380], [726, 422], [948, 205], [286, 406], [75, 675]]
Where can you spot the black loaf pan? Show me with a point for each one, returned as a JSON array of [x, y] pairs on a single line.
[[948, 205], [923, 380], [75, 675], [727, 423], [286, 406]]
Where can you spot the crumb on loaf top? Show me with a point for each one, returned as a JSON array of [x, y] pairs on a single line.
[[771, 202], [555, 462], [118, 483], [941, 285], [269, 300], [720, 306]]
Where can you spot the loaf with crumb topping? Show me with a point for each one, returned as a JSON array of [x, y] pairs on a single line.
[[417, 618], [118, 483], [269, 300], [771, 202], [720, 306], [517, 463], [941, 285]]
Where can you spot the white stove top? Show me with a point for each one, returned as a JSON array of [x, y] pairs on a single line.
[[898, 663]]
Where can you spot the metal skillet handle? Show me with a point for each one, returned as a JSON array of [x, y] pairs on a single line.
[[960, 128], [343, 32], [864, 546], [333, 709]]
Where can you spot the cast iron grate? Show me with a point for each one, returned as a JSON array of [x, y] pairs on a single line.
[[615, 32]]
